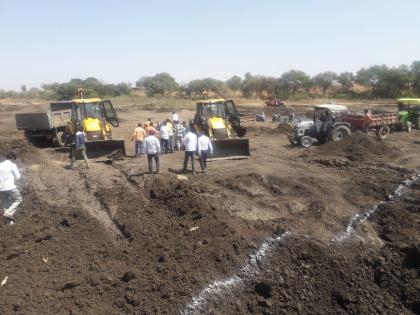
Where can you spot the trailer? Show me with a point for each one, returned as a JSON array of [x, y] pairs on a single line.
[[380, 123]]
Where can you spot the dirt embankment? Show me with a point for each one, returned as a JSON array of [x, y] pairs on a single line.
[[113, 240], [303, 276], [258, 130], [360, 147]]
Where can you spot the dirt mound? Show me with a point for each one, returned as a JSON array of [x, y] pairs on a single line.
[[358, 147], [265, 130], [303, 276], [25, 152]]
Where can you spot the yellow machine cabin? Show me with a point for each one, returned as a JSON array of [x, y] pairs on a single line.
[[96, 117], [221, 121]]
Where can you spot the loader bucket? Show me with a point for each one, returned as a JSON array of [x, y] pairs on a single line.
[[230, 149], [104, 147]]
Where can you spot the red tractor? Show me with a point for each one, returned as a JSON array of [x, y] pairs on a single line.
[[275, 102]]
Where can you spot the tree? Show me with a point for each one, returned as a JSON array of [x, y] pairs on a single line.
[[415, 76], [234, 83], [346, 80], [294, 80], [269, 85], [23, 89], [384, 81], [198, 86], [371, 76], [161, 83], [324, 80]]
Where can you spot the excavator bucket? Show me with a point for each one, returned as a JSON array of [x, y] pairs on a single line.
[[231, 149], [105, 147]]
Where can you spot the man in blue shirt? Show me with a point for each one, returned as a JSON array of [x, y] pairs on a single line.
[[78, 148]]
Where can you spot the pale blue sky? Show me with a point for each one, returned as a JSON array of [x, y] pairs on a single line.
[[54, 40]]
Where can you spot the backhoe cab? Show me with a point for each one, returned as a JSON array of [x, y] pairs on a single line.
[[221, 121]]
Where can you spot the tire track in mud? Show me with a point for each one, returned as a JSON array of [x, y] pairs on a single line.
[[80, 188]]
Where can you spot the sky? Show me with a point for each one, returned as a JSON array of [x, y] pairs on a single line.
[[47, 41]]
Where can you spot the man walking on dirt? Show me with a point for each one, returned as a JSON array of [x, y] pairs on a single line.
[[78, 148], [152, 151], [204, 149], [9, 195], [138, 136], [190, 144]]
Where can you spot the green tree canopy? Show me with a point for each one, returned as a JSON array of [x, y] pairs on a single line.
[[324, 80], [234, 83], [294, 80], [346, 80], [161, 83]]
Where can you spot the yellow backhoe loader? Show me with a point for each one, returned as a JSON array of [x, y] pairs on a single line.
[[220, 120], [60, 122]]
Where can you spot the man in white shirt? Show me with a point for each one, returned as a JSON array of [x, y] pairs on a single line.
[[204, 149], [190, 144], [175, 118], [9, 195], [164, 137], [171, 135], [152, 150]]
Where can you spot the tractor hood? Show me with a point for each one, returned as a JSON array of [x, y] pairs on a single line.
[[303, 124]]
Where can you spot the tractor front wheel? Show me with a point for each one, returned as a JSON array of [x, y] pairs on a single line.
[[305, 141]]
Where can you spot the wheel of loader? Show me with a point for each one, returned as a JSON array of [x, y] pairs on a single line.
[[339, 133], [383, 132], [305, 141], [60, 139]]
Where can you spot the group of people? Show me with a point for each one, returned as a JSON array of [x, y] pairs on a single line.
[[170, 133], [170, 136]]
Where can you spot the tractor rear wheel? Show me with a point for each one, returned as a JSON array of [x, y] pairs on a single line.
[[305, 141], [383, 132], [339, 133], [409, 126], [417, 123]]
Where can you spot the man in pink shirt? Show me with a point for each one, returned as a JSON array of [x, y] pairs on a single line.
[[138, 136]]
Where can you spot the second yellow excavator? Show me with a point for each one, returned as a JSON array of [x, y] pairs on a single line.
[[221, 121]]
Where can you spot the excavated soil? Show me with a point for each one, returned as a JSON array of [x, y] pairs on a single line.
[[254, 236]]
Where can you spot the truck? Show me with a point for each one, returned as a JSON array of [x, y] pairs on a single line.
[[60, 122], [50, 125]]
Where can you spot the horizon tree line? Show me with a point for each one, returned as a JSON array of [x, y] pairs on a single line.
[[378, 81]]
